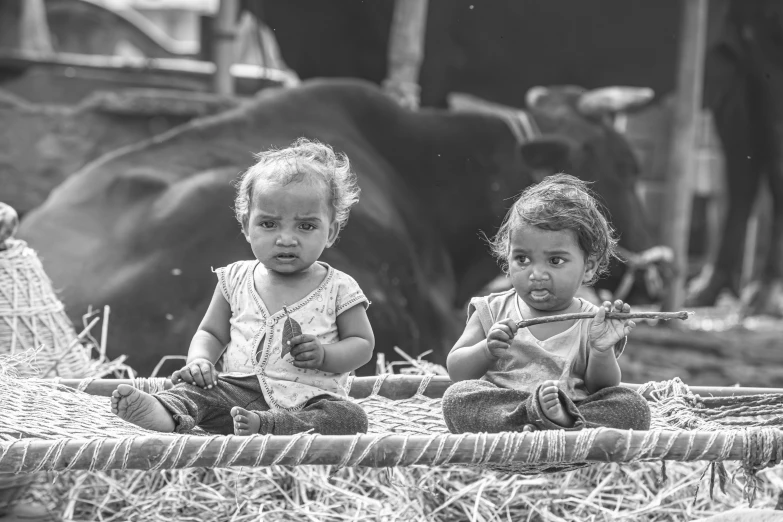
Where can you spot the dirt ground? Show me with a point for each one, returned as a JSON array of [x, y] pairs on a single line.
[[715, 347]]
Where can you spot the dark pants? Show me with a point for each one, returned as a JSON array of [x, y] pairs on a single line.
[[479, 406], [210, 410]]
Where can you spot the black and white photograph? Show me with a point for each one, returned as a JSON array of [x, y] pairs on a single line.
[[391, 260]]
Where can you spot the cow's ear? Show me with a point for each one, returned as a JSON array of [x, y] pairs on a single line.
[[548, 152]]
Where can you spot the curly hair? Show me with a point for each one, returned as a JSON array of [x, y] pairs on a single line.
[[302, 160], [560, 202]]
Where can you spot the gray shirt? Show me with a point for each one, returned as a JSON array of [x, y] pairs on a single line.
[[530, 361]]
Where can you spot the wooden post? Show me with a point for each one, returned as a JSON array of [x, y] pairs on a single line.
[[406, 51], [223, 51], [34, 27], [677, 206]]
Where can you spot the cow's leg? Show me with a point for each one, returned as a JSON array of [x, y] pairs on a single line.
[[733, 113]]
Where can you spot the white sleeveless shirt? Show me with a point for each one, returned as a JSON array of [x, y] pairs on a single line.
[[255, 346], [529, 360]]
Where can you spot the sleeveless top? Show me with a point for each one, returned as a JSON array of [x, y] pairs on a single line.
[[255, 346], [530, 361]]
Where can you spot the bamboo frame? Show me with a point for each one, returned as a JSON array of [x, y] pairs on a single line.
[[397, 387], [547, 448]]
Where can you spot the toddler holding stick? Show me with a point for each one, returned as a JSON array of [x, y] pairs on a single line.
[[555, 375]]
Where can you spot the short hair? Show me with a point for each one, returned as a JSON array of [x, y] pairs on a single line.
[[303, 159], [560, 202]]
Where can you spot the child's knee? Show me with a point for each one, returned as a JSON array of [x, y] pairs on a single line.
[[458, 390], [642, 416], [458, 418], [344, 417], [358, 422], [635, 412]]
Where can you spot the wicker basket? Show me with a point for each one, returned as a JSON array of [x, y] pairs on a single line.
[[33, 319]]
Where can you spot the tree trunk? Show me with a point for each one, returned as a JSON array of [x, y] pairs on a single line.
[[223, 46], [406, 51], [677, 206], [34, 28]]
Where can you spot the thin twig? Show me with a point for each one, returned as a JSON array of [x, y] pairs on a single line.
[[105, 329], [665, 316]]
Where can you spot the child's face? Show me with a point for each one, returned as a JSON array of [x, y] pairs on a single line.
[[289, 226], [547, 267]]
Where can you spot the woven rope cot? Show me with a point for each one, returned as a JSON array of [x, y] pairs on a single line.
[[75, 430]]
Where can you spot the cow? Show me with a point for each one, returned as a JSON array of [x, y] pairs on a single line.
[[744, 91], [496, 50], [140, 228]]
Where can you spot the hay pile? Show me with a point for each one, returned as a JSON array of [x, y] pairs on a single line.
[[602, 492]]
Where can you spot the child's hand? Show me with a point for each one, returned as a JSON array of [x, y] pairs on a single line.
[[307, 351], [605, 333], [499, 337], [200, 372]]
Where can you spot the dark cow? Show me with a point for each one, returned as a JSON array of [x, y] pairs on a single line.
[[744, 90], [497, 49], [140, 228]]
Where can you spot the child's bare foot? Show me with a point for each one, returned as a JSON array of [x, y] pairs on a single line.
[[245, 422], [550, 403], [141, 409]]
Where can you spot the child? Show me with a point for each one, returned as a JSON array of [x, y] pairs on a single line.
[[558, 375], [291, 205]]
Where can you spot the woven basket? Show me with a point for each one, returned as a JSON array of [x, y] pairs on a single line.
[[32, 319]]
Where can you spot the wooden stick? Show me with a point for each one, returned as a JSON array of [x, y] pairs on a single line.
[[665, 316], [382, 450]]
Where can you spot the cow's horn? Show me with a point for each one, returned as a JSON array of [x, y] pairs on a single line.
[[611, 100], [534, 94]]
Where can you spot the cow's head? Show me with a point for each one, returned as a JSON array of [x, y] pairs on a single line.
[[570, 129], [578, 136]]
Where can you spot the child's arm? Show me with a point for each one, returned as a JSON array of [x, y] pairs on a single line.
[[212, 336], [353, 350], [603, 371], [475, 353]]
